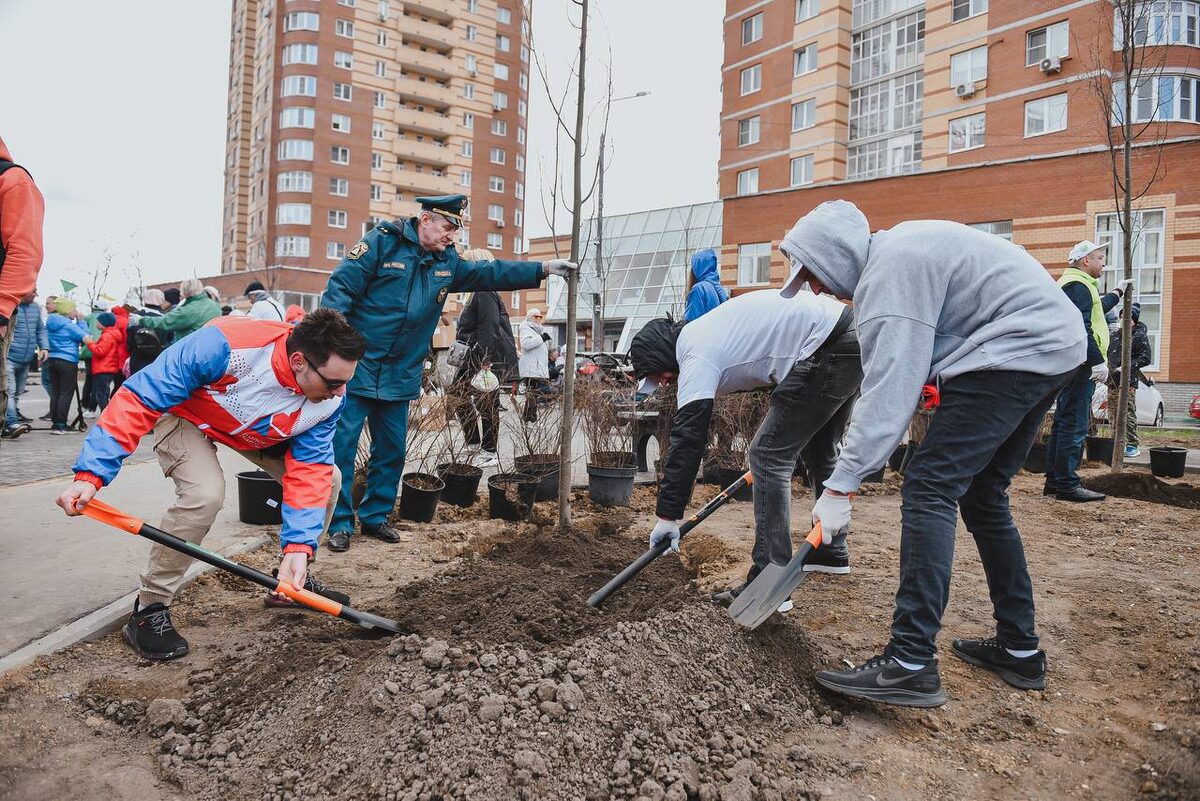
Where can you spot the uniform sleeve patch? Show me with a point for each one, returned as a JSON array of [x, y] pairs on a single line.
[[358, 250]]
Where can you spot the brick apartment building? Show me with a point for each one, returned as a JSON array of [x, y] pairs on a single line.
[[341, 112], [953, 110]]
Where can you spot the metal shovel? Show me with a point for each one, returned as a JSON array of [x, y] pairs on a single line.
[[98, 510], [649, 556], [774, 585]]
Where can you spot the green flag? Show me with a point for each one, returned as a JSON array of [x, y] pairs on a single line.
[[67, 285]]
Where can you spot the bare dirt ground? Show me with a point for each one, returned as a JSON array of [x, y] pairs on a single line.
[[510, 687]]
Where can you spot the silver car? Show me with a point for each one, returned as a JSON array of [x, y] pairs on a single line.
[[1149, 404]]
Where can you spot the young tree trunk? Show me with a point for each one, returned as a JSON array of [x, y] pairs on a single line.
[[1127, 9]]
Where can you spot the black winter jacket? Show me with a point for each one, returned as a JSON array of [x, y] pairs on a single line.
[[484, 325]]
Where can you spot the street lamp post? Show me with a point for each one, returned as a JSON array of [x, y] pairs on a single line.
[[598, 298]]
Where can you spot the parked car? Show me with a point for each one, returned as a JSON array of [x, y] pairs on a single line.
[[1194, 409], [1149, 404]]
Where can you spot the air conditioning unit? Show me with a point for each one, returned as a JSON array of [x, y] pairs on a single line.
[[499, 223], [1051, 65], [965, 89]]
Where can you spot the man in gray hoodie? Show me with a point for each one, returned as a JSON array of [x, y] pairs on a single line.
[[939, 301]]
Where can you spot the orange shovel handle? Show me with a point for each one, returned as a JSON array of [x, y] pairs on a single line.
[[103, 513], [309, 599]]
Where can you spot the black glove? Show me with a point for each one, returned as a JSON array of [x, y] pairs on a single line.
[[545, 337]]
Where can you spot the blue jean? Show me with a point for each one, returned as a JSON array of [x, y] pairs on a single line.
[[977, 441], [388, 421], [15, 376], [1064, 449]]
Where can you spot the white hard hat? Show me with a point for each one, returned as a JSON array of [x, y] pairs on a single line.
[[1082, 249]]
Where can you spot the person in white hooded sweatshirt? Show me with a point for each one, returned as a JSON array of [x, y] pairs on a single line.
[[936, 301]]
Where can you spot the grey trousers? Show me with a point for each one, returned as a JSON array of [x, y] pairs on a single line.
[[807, 417]]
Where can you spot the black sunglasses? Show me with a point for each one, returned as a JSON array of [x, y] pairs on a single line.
[[331, 383]]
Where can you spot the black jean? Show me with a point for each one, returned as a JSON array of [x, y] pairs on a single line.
[[103, 387], [1064, 449], [64, 381], [535, 390], [977, 441]]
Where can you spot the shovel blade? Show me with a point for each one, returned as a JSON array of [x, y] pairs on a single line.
[[369, 621], [770, 588]]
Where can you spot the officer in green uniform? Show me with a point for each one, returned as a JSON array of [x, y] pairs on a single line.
[[392, 287]]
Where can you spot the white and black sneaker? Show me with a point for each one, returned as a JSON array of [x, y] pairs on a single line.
[[152, 635], [886, 681], [833, 558]]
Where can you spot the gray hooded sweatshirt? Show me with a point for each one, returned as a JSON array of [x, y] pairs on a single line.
[[932, 300]]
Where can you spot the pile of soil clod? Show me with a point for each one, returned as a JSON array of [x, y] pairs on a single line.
[[1145, 487]]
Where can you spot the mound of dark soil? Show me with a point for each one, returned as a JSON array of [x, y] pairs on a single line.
[[1145, 487]]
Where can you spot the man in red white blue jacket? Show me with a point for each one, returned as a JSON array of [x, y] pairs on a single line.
[[270, 391]]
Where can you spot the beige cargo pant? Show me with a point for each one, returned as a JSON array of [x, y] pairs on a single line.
[[189, 459]]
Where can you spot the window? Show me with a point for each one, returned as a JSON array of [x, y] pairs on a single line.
[[867, 11], [515, 299], [805, 9], [519, 191], [805, 60], [499, 100], [472, 33], [752, 29], [344, 27], [804, 114], [378, 130], [496, 183], [376, 161], [342, 91], [748, 131], [503, 16], [297, 118], [897, 155], [520, 163], [1149, 237], [468, 120], [969, 66], [293, 214], [747, 182], [1053, 41], [1001, 228], [337, 219], [966, 133], [465, 178], [754, 264], [468, 148], [495, 241], [495, 212], [376, 192], [889, 47], [301, 21], [522, 108], [802, 170], [472, 64], [339, 187], [340, 122], [1046, 115], [887, 105], [384, 9], [295, 181], [523, 79], [339, 154], [751, 79], [503, 43], [335, 250], [500, 71], [291, 246], [469, 91], [343, 59], [968, 8], [380, 100], [347, 3], [300, 54], [380, 69], [1160, 23], [299, 86], [497, 155], [381, 37], [500, 127], [518, 218], [473, 6], [1174, 98], [298, 149]]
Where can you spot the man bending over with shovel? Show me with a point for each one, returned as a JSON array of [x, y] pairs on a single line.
[[806, 349], [270, 391], [939, 301]]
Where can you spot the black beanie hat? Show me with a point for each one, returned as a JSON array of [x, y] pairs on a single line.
[[255, 286], [653, 348], [172, 295]]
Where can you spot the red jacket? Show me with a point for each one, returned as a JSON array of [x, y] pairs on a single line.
[[21, 212], [122, 315], [107, 349]]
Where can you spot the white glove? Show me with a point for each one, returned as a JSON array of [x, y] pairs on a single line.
[[1100, 373], [664, 529], [561, 267], [1123, 286], [833, 510]]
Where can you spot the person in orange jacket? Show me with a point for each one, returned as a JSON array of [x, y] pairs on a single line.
[[107, 358]]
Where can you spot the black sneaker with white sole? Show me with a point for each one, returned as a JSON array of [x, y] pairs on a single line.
[[152, 635], [828, 561], [1026, 673], [886, 681], [281, 603]]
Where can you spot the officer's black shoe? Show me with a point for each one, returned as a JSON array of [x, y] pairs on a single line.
[[1080, 495], [1048, 490], [339, 541], [151, 633], [381, 531], [281, 603], [883, 679], [1027, 673]]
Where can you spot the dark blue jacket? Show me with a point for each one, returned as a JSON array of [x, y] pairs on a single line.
[[29, 333], [707, 293], [392, 291]]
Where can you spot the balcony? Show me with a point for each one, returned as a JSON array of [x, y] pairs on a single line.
[[440, 10], [425, 122], [424, 183], [426, 62], [415, 31], [427, 92], [424, 152]]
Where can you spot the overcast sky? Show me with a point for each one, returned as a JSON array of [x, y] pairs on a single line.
[[120, 117]]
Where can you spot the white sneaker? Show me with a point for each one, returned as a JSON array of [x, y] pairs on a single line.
[[785, 607], [486, 459]]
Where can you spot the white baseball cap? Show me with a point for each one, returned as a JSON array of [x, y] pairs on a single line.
[[1082, 249]]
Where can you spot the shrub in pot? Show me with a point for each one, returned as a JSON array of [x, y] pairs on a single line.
[[419, 495], [511, 495]]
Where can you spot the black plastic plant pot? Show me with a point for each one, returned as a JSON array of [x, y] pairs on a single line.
[[728, 475], [260, 499], [611, 486], [710, 473], [543, 466], [1100, 449], [1035, 462], [510, 495], [897, 457], [1167, 461], [419, 496], [462, 483]]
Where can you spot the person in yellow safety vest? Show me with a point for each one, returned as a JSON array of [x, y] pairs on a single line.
[[1065, 448]]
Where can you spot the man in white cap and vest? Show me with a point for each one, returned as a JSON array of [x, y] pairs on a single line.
[[1065, 447]]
